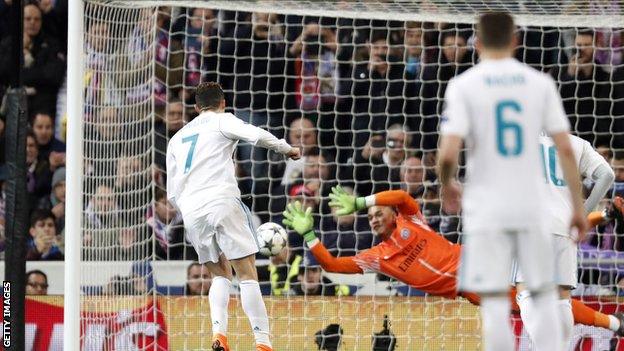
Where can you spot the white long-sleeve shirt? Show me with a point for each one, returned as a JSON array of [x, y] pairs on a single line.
[[200, 168], [500, 107], [559, 200]]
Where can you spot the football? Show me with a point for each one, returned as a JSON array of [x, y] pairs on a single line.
[[272, 238]]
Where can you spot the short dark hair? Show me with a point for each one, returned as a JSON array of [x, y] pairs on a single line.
[[36, 271], [40, 215], [160, 194], [190, 266], [585, 31], [496, 29], [209, 95]]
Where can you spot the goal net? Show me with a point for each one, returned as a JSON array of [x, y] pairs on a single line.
[[359, 86]]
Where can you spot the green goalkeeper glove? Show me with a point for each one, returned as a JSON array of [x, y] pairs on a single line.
[[299, 220], [345, 202]]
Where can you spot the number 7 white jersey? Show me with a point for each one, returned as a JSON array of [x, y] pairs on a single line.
[[557, 195], [200, 167], [499, 107]]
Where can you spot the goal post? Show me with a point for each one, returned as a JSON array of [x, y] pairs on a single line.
[[74, 175], [359, 85]]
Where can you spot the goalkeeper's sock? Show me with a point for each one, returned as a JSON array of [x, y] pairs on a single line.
[[254, 308], [219, 297], [496, 329], [567, 319]]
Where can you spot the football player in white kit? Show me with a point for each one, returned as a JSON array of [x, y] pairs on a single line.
[[591, 165], [201, 183], [499, 107]]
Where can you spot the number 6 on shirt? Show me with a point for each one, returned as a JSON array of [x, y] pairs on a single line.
[[503, 126], [189, 157]]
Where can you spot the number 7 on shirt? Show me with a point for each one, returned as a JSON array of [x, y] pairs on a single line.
[[189, 158]]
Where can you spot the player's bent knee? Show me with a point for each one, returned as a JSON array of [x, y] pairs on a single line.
[[245, 267]]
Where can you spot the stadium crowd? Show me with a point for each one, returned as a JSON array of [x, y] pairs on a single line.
[[361, 98]]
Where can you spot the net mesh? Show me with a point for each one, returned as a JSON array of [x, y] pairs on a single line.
[[359, 86]]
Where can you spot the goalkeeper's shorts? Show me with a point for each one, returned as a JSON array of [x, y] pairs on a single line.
[[220, 227]]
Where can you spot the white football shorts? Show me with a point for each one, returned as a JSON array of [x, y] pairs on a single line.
[[566, 263], [488, 254], [221, 226]]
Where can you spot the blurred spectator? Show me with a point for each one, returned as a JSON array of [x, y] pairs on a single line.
[[378, 165], [44, 64], [50, 148], [316, 76], [36, 283], [585, 89], [43, 244], [98, 60], [617, 99], [133, 243], [383, 92], [38, 174], [132, 184], [311, 281], [166, 227], [413, 176], [105, 142], [414, 38], [56, 201], [618, 167], [255, 56], [283, 271], [605, 151], [132, 285], [315, 67], [198, 280], [101, 221], [54, 18], [166, 128], [201, 28], [454, 58], [169, 59]]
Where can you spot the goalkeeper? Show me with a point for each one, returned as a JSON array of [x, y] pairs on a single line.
[[410, 251]]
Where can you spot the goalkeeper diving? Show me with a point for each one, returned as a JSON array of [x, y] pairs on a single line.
[[413, 253]]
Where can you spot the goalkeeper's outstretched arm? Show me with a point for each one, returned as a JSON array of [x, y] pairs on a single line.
[[347, 203], [329, 262]]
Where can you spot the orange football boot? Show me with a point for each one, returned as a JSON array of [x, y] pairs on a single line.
[[262, 347], [219, 343]]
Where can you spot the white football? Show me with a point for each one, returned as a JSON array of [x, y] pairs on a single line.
[[272, 238]]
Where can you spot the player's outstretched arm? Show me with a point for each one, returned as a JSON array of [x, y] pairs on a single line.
[[573, 179], [603, 178], [234, 128], [347, 203], [300, 220]]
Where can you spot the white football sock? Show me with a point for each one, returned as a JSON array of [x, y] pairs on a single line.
[[497, 332], [219, 297], [614, 323], [542, 320], [567, 319], [254, 308]]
